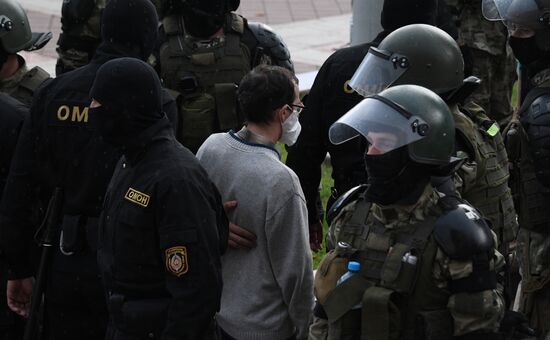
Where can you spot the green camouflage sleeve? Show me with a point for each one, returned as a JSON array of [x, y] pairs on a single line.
[[465, 177], [479, 312]]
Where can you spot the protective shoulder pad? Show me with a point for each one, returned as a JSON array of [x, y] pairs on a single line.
[[462, 233], [351, 195], [34, 78], [271, 44], [538, 113]]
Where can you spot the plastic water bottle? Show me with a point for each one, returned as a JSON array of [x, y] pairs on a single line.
[[353, 268]]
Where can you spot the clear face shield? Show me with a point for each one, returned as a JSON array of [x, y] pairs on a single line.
[[386, 125], [378, 70], [521, 17]]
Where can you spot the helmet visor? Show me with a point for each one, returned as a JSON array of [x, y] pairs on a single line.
[[515, 14], [378, 70], [386, 125]]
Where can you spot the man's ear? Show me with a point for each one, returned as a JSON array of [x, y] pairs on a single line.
[[283, 112]]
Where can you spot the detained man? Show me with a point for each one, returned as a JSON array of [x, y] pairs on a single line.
[[268, 290]]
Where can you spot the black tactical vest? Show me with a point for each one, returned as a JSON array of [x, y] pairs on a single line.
[[205, 74], [526, 142]]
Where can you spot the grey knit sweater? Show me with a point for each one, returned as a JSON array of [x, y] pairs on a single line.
[[268, 291]]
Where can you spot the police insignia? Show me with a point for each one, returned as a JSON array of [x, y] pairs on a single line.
[[137, 197], [176, 260]]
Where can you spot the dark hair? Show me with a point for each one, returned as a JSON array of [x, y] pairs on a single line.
[[265, 89]]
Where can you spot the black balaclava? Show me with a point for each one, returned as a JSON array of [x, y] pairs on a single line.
[[129, 28], [399, 13], [394, 178], [129, 92], [204, 18], [528, 52]]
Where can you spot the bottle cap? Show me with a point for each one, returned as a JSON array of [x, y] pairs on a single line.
[[354, 266]]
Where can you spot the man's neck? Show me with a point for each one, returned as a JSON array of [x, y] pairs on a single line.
[[264, 130]]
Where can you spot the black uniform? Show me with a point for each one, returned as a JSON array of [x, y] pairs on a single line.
[[12, 114], [329, 98], [163, 228], [59, 147], [160, 253]]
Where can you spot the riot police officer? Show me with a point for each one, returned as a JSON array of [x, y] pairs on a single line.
[[425, 258], [331, 97], [16, 79], [59, 147], [487, 57], [163, 228], [483, 179], [528, 139], [80, 34], [12, 114], [205, 52]]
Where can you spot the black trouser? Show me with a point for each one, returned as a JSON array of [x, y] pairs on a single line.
[[226, 336], [75, 305]]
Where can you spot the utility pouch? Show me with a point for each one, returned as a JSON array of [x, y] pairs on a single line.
[[434, 325], [398, 274], [331, 268], [73, 234], [382, 318], [75, 12], [227, 106], [345, 296], [144, 317], [198, 119]]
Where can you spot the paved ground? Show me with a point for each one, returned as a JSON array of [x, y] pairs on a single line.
[[313, 29]]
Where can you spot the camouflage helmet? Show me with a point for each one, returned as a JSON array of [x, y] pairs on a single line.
[[416, 54], [401, 115], [15, 31]]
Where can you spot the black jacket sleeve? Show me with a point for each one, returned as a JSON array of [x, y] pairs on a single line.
[[190, 248]]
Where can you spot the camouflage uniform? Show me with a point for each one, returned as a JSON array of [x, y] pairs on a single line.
[[24, 82], [79, 38], [483, 178], [444, 314], [488, 57]]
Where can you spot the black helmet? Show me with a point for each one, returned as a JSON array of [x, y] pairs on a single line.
[[417, 54], [407, 115]]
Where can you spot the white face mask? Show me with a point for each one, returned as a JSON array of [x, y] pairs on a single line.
[[291, 130]]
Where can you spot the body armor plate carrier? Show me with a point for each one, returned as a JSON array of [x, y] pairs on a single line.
[[205, 74], [395, 283], [490, 192]]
